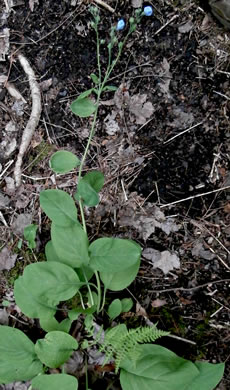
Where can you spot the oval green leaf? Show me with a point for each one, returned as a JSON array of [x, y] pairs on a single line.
[[63, 161], [50, 323], [94, 78], [157, 368], [54, 382], [209, 376], [55, 348], [18, 360], [42, 286], [30, 232], [83, 107], [59, 206], [113, 254], [127, 304], [119, 280], [96, 179], [115, 309], [86, 193], [70, 244]]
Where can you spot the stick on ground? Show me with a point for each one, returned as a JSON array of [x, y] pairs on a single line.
[[33, 120]]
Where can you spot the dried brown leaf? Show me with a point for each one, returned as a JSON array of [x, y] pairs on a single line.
[[7, 259]]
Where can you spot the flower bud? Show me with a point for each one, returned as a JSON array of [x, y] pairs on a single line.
[[148, 10], [120, 25], [131, 20]]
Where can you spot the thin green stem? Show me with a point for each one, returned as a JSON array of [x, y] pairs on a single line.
[[82, 216], [90, 137], [98, 57], [99, 291], [81, 299], [88, 286], [103, 300]]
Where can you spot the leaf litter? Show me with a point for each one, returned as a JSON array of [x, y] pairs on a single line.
[[7, 259], [165, 261]]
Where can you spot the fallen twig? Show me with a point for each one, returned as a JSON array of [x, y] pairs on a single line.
[[103, 4], [191, 288], [194, 196], [33, 120]]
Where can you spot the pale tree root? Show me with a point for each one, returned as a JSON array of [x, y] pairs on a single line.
[[34, 117]]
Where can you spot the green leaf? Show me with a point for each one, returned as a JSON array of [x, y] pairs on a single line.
[[82, 272], [85, 94], [88, 187], [74, 313], [209, 376], [94, 78], [96, 179], [113, 254], [50, 323], [63, 161], [110, 88], [157, 368], [70, 244], [42, 286], [55, 348], [127, 304], [120, 280], [54, 382], [50, 253], [18, 361], [115, 309], [30, 234], [83, 107], [59, 206], [87, 193]]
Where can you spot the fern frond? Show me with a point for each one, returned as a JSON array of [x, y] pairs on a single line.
[[121, 343]]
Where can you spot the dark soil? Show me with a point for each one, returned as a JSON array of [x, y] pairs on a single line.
[[60, 46]]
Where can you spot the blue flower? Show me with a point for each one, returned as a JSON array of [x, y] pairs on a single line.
[[120, 25], [148, 10]]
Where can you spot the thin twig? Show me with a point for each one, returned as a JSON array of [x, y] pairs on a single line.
[[34, 117], [221, 94], [197, 224], [166, 24], [103, 4], [8, 165], [190, 289], [182, 132], [195, 196], [181, 339]]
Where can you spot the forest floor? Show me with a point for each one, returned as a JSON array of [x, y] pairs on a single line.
[[162, 142]]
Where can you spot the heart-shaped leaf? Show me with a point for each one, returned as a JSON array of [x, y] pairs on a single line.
[[55, 348], [18, 360], [63, 161]]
